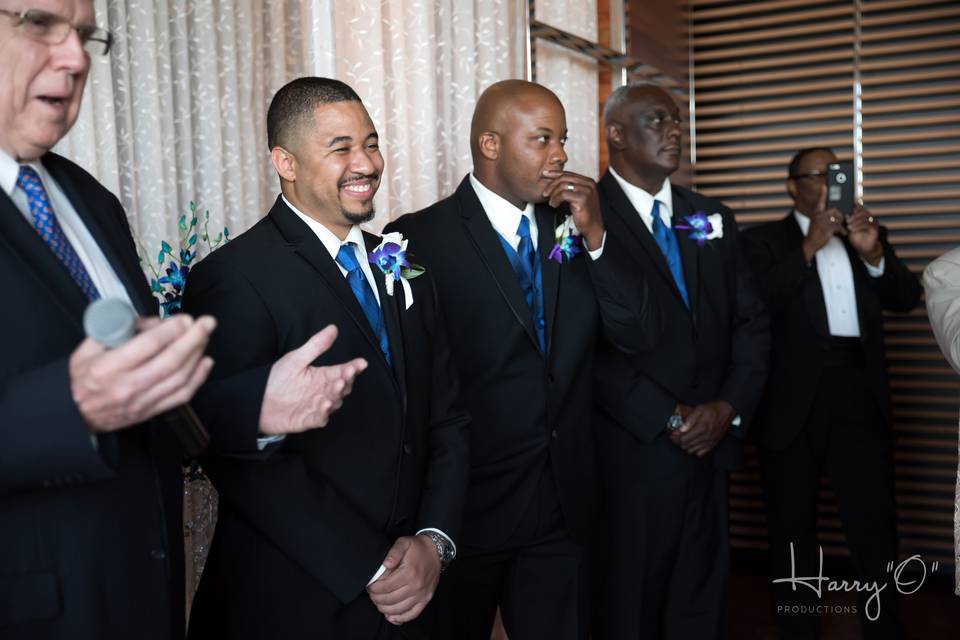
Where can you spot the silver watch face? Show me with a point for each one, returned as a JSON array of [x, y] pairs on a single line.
[[674, 422]]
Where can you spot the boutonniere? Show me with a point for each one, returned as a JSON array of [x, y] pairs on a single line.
[[703, 228], [391, 256], [569, 241]]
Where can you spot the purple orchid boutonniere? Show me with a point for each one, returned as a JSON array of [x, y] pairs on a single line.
[[703, 228], [569, 241], [391, 257]]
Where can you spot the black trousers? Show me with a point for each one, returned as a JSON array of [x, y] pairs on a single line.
[[846, 438], [665, 576], [534, 579]]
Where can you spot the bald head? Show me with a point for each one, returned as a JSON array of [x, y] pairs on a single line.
[[516, 139], [500, 102]]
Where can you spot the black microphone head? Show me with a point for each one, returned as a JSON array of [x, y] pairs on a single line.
[[110, 321]]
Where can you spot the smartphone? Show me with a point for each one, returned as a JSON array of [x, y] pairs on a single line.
[[840, 187]]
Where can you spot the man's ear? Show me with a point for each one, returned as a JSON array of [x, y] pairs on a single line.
[[792, 188], [615, 137], [489, 145], [285, 163]]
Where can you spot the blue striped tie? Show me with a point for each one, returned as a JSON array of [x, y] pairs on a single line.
[[46, 225]]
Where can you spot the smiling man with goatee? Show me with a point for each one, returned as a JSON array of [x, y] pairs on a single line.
[[339, 531]]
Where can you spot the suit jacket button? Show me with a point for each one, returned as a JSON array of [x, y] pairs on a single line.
[[158, 554], [408, 448], [554, 434]]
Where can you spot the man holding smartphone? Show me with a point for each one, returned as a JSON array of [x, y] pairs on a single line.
[[826, 279]]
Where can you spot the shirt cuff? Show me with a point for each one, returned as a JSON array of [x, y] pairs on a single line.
[[453, 545], [736, 421], [377, 575], [875, 271], [594, 255], [266, 441]]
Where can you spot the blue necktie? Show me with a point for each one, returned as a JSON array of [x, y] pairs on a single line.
[[667, 241], [531, 279], [347, 259], [45, 223]]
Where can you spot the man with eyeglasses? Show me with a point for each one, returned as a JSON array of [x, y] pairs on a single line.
[[827, 279], [90, 490], [671, 419]]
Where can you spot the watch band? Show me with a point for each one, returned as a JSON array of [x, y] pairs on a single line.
[[444, 549]]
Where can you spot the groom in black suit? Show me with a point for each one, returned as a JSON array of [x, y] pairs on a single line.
[[339, 532], [672, 418], [524, 315]]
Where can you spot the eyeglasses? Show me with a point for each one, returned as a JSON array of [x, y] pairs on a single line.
[[662, 121], [819, 175], [53, 29]]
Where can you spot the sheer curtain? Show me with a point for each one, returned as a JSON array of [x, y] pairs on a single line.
[[177, 112]]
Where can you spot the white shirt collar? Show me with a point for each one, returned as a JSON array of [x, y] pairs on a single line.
[[10, 171], [504, 217], [329, 239], [642, 201], [802, 220]]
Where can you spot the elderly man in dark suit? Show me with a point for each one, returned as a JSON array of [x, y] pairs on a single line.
[[91, 542], [90, 488], [672, 418], [827, 279], [528, 280], [340, 532]]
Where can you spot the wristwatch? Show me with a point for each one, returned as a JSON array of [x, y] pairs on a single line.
[[444, 548], [675, 421]]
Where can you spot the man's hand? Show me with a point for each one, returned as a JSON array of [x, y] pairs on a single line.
[[703, 427], [864, 235], [580, 192], [824, 224], [407, 585], [157, 370], [300, 396]]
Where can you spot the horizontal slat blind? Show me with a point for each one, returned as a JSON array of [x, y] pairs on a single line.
[[774, 76]]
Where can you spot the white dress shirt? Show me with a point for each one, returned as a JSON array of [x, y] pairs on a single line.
[[332, 244], [836, 281], [76, 232], [505, 218], [642, 201]]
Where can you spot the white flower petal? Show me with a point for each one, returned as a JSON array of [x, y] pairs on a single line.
[[407, 293], [716, 221]]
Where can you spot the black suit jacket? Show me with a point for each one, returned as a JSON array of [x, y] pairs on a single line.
[[304, 525], [529, 409], [91, 544], [794, 296], [717, 350]]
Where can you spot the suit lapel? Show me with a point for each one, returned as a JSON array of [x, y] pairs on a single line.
[[390, 305], [308, 246], [689, 249], [815, 305], [488, 245], [110, 238], [629, 216], [24, 242], [547, 221]]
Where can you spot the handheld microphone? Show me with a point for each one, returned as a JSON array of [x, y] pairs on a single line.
[[111, 322]]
